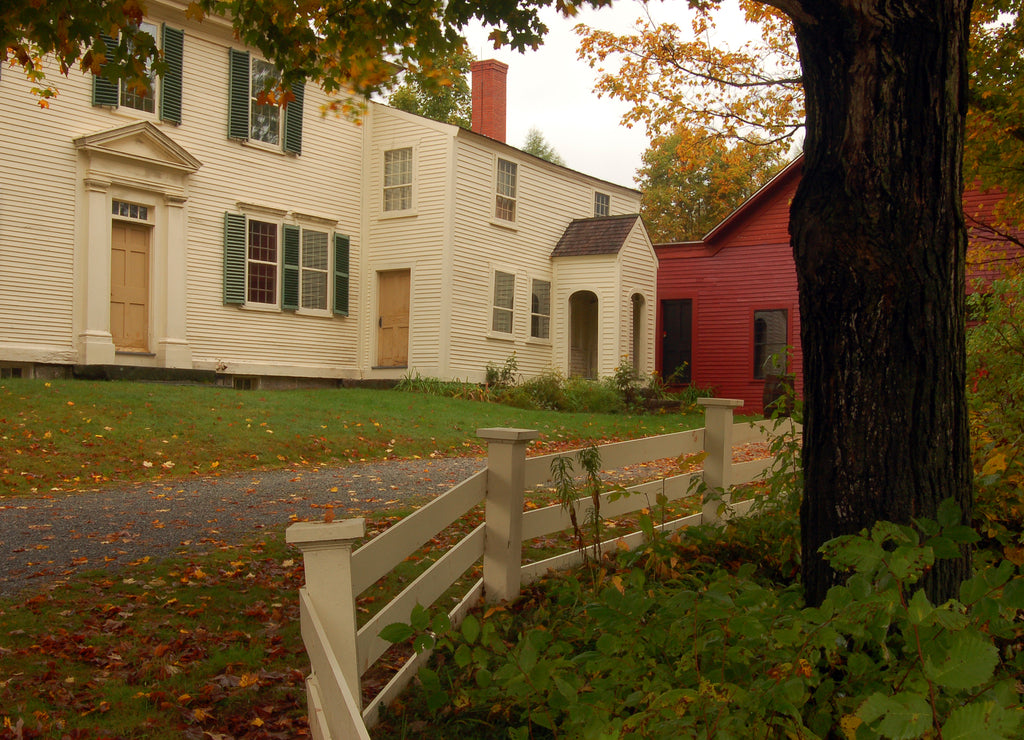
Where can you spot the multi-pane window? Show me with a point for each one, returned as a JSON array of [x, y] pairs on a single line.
[[602, 204], [505, 199], [129, 210], [139, 97], [504, 300], [315, 262], [540, 309], [771, 336], [398, 179], [261, 263], [249, 117], [264, 117], [143, 96], [283, 265]]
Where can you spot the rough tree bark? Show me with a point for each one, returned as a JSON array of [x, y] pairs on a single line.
[[878, 237]]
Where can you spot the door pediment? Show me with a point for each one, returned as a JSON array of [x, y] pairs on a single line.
[[140, 142]]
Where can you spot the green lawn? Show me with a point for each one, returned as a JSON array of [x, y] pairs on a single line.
[[65, 435]]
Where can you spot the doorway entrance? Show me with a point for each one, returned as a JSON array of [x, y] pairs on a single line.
[[129, 286], [393, 318]]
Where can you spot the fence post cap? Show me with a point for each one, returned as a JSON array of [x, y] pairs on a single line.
[[730, 403], [507, 434], [325, 533]]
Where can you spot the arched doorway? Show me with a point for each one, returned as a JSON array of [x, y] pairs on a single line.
[[583, 334], [636, 347]]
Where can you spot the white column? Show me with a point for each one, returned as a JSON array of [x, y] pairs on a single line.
[[718, 445], [327, 557], [95, 345], [172, 334], [503, 511]]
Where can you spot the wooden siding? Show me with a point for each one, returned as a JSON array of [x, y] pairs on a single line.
[[638, 271], [548, 199], [415, 239], [38, 236], [37, 223], [746, 265]]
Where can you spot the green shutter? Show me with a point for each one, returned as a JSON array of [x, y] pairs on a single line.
[[341, 255], [290, 279], [293, 120], [238, 94], [173, 44], [104, 91], [234, 258]]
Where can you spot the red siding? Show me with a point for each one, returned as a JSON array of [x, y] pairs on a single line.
[[746, 264]]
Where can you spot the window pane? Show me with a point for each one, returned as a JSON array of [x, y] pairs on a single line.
[[540, 309], [265, 118], [504, 299], [142, 98], [506, 178], [602, 204], [771, 337], [398, 179], [261, 265], [505, 200], [314, 269]]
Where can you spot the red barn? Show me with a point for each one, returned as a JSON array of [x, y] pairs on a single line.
[[728, 306]]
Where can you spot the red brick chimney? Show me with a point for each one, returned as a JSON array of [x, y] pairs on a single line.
[[489, 98]]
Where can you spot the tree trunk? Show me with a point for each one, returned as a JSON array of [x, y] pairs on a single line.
[[879, 242]]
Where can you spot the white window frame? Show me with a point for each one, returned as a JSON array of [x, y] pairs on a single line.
[[506, 191], [127, 98], [404, 187], [307, 272], [499, 308], [275, 303], [602, 199], [267, 69], [540, 320]]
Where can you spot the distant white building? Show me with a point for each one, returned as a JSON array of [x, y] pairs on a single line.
[[198, 230]]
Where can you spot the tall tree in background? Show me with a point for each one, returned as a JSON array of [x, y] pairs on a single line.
[[438, 90], [877, 233], [690, 181], [538, 146]]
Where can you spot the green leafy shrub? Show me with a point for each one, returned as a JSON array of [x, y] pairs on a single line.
[[693, 649], [582, 395], [995, 366]]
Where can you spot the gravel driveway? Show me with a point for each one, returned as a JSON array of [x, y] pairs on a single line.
[[48, 539]]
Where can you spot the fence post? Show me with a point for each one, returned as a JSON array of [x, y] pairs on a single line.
[[327, 558], [503, 511], [718, 445]]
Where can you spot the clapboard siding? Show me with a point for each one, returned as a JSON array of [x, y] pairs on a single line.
[[742, 266], [548, 199], [61, 167], [746, 264]]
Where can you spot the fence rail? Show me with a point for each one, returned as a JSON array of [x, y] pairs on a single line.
[[340, 653]]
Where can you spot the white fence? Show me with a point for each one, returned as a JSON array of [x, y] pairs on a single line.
[[340, 654]]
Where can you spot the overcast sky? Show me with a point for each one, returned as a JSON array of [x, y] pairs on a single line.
[[552, 90]]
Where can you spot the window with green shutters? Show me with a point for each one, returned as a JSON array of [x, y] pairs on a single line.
[[249, 118], [163, 95], [253, 259]]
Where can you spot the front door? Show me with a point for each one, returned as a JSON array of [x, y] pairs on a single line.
[[393, 318], [129, 286], [677, 341], [583, 334]]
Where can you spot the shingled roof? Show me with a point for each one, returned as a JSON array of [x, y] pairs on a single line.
[[591, 236]]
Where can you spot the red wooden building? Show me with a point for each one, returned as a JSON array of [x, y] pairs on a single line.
[[728, 305]]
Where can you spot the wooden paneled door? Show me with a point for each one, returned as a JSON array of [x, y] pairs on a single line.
[[393, 318], [129, 286]]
